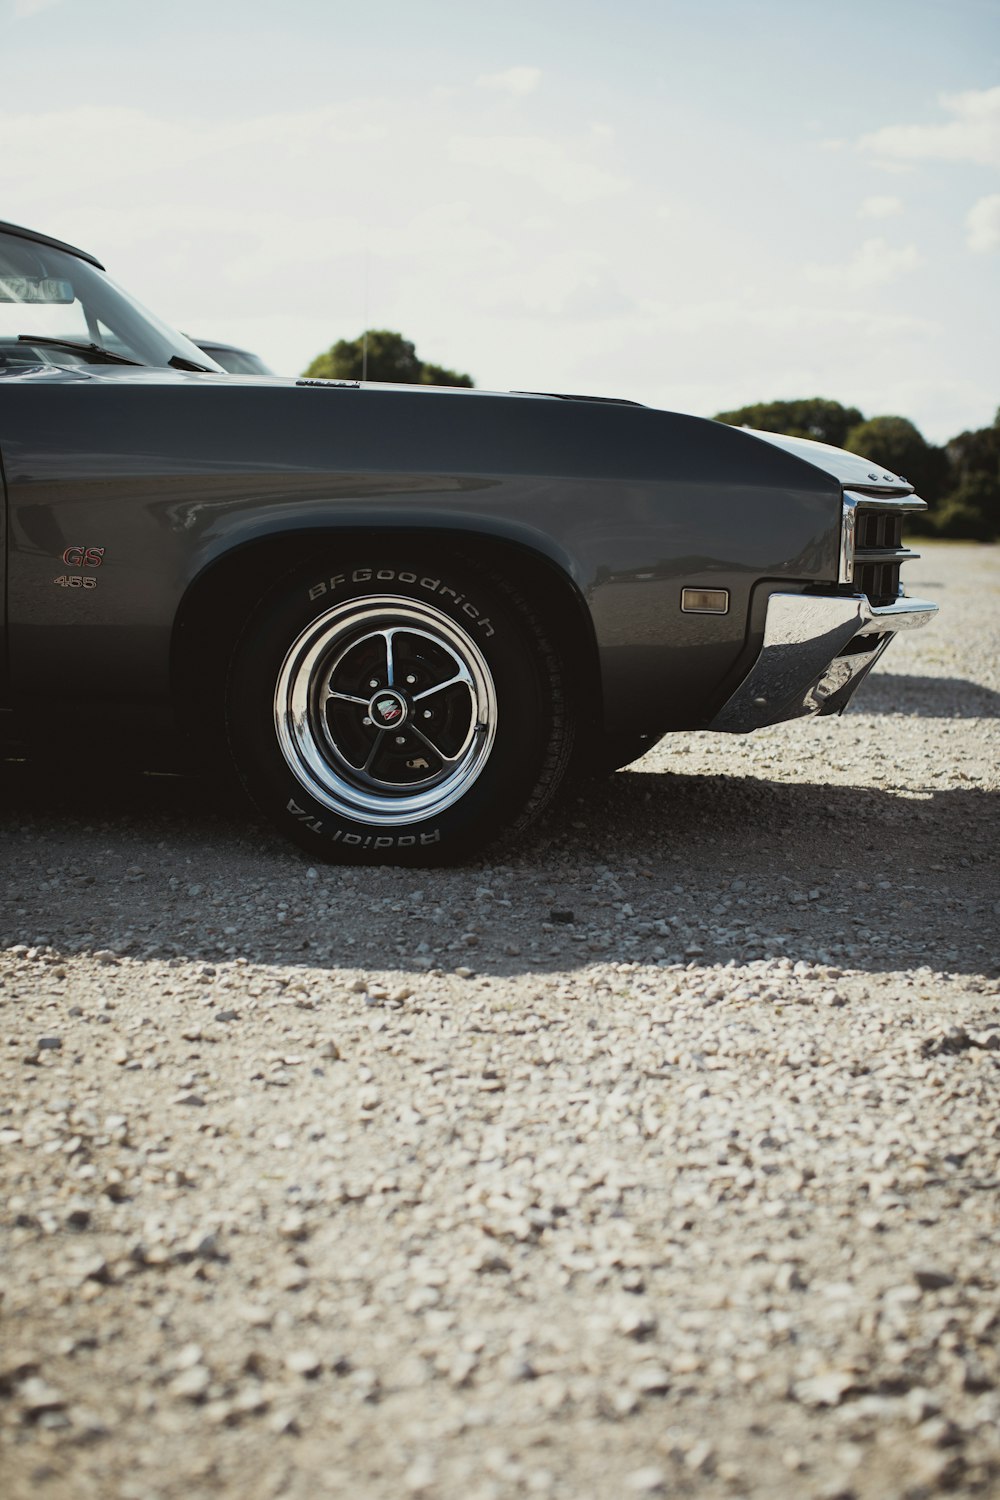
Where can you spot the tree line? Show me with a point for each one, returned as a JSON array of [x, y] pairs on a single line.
[[960, 480], [381, 355]]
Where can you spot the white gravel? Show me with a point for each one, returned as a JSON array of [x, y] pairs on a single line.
[[660, 1158]]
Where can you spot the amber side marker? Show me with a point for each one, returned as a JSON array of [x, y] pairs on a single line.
[[705, 601]]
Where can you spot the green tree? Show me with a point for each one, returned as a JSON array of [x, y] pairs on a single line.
[[971, 511], [971, 507], [809, 417], [439, 375], [388, 357]]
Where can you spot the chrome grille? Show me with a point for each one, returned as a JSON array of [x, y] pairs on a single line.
[[873, 550], [878, 554]]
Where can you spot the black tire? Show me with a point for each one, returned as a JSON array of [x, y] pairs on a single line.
[[392, 708]]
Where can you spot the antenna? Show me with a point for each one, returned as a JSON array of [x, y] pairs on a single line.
[[364, 335]]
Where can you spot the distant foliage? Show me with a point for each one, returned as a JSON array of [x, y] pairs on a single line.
[[960, 482], [390, 359], [813, 417], [972, 505]]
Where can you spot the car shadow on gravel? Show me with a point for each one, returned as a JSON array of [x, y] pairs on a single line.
[[645, 866], [927, 697]]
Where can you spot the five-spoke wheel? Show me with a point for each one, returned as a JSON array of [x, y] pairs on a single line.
[[397, 709], [385, 709]]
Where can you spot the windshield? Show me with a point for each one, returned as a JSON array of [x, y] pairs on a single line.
[[236, 361], [77, 313]]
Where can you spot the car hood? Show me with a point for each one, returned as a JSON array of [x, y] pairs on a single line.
[[849, 469]]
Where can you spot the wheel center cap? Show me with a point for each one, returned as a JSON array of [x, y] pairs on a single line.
[[387, 709]]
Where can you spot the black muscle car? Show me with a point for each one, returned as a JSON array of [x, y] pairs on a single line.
[[407, 611]]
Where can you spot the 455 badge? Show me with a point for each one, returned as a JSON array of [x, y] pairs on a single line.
[[80, 557]]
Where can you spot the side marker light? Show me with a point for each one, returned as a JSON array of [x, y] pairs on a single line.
[[705, 601]]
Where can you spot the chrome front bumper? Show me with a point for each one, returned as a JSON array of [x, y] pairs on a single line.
[[814, 657]]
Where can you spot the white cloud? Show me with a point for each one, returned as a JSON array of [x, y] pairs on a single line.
[[567, 284], [983, 224], [109, 143], [554, 258], [875, 263], [973, 135], [880, 208], [512, 80], [546, 163]]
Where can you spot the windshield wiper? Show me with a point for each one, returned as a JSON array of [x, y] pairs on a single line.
[[78, 347], [178, 362]]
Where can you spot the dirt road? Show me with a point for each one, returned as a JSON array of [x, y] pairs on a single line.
[[656, 1157]]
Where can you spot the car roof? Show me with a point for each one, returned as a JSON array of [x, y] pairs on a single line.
[[46, 239]]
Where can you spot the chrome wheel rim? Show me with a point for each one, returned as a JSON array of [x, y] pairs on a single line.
[[385, 710]]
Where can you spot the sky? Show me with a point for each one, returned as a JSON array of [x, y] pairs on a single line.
[[692, 205]]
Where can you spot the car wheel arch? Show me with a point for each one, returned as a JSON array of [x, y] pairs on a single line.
[[219, 599]]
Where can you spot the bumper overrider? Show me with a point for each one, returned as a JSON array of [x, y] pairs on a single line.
[[817, 648], [816, 653]]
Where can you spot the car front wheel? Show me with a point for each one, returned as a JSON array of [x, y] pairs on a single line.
[[397, 710]]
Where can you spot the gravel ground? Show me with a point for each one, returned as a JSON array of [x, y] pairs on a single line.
[[660, 1158]]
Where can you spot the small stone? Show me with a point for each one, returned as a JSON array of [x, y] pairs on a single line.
[[687, 1362], [37, 1397], [826, 1389], [293, 1226], [920, 1405], [187, 1357], [420, 1475], [195, 1100], [699, 1458], [635, 1324], [190, 1385], [462, 1369], [650, 1379], [293, 1278], [330, 1051], [257, 1316], [303, 1362], [932, 1278], [17, 1367], [49, 1043], [284, 1423], [96, 1269], [227, 1015], [938, 1432], [202, 1246], [648, 1481]]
